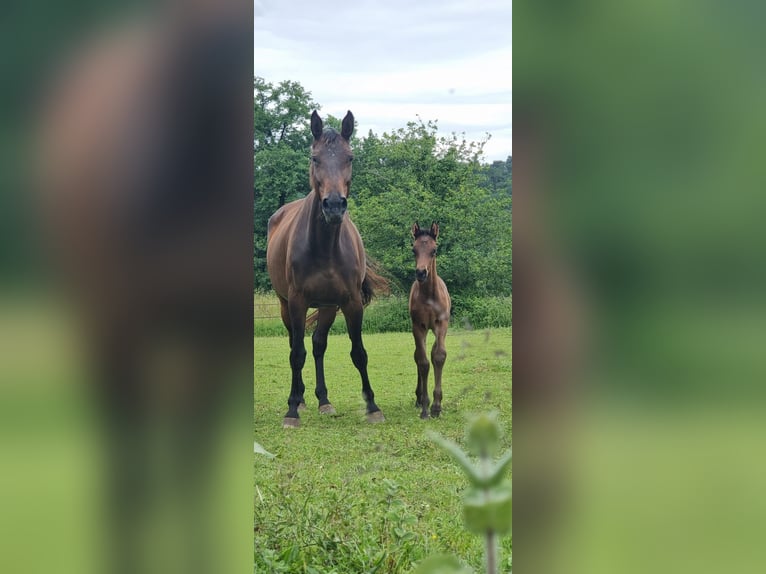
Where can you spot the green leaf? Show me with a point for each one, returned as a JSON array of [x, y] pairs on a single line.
[[258, 449], [441, 564], [459, 455], [483, 435], [497, 474], [489, 509]]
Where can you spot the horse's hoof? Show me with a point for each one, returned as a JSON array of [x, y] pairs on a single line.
[[436, 413], [291, 423], [302, 407], [424, 415], [376, 417], [327, 409]]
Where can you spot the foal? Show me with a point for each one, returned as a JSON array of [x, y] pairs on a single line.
[[429, 309]]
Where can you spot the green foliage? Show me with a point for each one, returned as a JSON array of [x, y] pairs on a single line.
[[412, 174], [399, 177], [281, 139], [441, 564], [391, 315], [314, 532], [488, 502], [482, 312]]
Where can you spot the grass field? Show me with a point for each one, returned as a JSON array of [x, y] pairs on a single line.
[[343, 496]]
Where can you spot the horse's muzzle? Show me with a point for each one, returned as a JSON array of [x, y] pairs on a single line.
[[334, 207], [421, 275]]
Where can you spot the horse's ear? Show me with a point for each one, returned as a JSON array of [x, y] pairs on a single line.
[[434, 231], [316, 125], [347, 127], [415, 229]]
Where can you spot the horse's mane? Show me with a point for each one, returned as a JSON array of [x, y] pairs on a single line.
[[329, 135]]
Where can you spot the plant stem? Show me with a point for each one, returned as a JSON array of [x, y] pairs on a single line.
[[491, 552]]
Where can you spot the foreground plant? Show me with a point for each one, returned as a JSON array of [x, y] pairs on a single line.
[[488, 501]]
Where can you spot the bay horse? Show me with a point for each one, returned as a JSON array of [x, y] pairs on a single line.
[[316, 259], [430, 307]]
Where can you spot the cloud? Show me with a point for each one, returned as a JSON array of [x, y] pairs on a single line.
[[387, 62]]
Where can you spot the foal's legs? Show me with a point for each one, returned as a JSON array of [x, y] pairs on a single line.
[[353, 312], [319, 339], [297, 311], [438, 358], [421, 360]]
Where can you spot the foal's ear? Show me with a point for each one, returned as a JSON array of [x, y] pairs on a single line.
[[316, 125], [347, 127], [434, 231], [415, 229]]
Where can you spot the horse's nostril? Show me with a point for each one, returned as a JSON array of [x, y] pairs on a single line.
[[325, 203], [344, 203]]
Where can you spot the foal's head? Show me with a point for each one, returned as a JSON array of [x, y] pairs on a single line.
[[424, 248], [330, 170]]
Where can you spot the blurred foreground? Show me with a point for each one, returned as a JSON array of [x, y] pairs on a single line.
[[639, 281], [126, 382]]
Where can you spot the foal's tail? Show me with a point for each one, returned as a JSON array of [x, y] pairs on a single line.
[[374, 283]]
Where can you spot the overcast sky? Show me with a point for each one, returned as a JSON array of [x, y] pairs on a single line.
[[386, 61]]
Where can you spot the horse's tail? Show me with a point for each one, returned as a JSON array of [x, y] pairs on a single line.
[[312, 318], [374, 283]]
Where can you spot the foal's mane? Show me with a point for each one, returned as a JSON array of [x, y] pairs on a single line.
[[424, 232]]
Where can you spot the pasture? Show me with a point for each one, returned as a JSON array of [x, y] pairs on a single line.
[[344, 496]]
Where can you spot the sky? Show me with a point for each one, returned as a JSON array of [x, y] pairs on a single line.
[[392, 61]]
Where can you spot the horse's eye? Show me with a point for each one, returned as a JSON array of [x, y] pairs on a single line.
[[315, 159], [433, 252], [350, 159], [414, 252]]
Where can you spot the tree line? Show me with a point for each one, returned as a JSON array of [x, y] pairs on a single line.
[[409, 174]]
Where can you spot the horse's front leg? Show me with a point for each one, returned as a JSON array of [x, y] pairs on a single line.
[[438, 358], [285, 312], [423, 366], [319, 340], [353, 312], [297, 309]]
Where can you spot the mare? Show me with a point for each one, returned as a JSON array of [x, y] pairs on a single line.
[[316, 259], [430, 307]]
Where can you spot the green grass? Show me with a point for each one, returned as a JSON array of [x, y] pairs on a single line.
[[344, 496]]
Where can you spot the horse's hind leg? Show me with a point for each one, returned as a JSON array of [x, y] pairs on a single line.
[[421, 361], [353, 312], [438, 358], [285, 312], [319, 339]]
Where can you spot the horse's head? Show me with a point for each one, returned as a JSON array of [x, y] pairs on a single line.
[[424, 248], [330, 170]]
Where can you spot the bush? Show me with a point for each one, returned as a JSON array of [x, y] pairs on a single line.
[[391, 315], [482, 312]]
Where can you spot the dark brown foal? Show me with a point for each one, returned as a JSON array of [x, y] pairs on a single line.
[[430, 307]]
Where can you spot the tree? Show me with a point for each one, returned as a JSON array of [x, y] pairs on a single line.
[[281, 140], [413, 174]]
